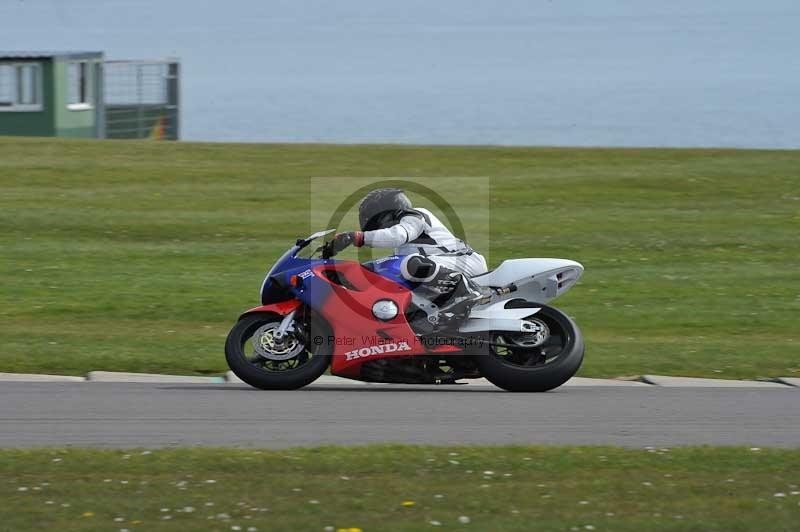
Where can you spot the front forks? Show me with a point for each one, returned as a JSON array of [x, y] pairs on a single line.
[[287, 325]]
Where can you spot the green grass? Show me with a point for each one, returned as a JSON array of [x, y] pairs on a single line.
[[139, 256], [496, 488]]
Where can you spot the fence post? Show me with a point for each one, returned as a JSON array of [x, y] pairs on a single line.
[[100, 100], [139, 98], [173, 99]]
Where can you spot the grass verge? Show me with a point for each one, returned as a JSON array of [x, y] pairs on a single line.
[[401, 488], [135, 256]]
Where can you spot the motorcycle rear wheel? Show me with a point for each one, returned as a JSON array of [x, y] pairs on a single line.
[[299, 371], [540, 368]]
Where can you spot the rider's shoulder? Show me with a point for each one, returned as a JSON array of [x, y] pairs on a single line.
[[420, 214]]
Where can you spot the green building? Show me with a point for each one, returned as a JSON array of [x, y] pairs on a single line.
[[51, 94], [79, 94]]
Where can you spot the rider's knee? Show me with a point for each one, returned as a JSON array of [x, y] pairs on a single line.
[[418, 268]]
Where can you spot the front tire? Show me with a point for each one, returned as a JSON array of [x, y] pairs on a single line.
[[536, 369], [289, 374]]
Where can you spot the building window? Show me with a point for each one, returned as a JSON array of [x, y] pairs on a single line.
[[20, 87], [79, 80]]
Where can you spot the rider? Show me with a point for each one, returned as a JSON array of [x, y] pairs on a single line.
[[435, 261]]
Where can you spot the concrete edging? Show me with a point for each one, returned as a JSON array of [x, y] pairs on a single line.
[[38, 377], [114, 376], [696, 382], [789, 381], [583, 381]]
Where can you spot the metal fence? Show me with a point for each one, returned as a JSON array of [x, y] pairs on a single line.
[[141, 100]]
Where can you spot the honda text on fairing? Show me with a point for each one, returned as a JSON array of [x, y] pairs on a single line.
[[364, 322]]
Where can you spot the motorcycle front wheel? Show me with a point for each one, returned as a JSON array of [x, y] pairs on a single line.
[[525, 362], [255, 357]]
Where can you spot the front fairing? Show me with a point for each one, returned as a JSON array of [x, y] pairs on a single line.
[[276, 283], [275, 286]]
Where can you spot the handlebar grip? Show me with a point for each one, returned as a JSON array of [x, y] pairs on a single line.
[[327, 250]]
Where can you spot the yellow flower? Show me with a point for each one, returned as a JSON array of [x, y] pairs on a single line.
[[136, 522], [408, 503], [88, 514]]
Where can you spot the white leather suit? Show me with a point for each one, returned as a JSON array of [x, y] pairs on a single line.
[[421, 233]]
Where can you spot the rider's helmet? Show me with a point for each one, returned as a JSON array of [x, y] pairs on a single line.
[[383, 208]]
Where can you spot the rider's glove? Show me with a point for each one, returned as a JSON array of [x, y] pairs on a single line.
[[342, 240]]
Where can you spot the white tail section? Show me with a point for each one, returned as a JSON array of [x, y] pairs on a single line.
[[537, 280]]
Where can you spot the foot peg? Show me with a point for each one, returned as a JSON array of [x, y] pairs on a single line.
[[487, 294]]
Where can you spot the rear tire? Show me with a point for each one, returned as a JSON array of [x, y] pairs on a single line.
[[316, 363], [543, 377]]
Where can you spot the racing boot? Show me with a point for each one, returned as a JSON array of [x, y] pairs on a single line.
[[459, 289], [456, 295]]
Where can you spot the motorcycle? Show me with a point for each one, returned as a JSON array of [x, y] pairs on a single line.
[[365, 322]]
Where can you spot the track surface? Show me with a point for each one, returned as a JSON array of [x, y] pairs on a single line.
[[157, 415]]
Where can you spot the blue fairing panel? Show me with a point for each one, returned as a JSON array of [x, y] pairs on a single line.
[[283, 269], [276, 284], [389, 267]]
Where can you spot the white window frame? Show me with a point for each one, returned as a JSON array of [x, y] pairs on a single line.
[[17, 107], [88, 86]]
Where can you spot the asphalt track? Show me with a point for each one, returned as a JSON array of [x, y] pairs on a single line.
[[161, 415]]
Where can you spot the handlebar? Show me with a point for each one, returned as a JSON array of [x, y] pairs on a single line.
[[327, 250]]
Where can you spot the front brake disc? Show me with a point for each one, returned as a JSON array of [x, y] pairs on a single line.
[[265, 345]]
